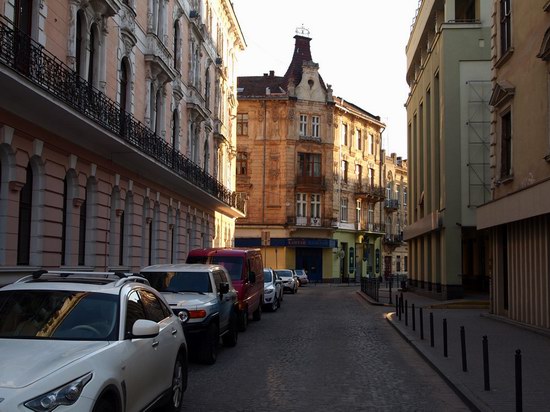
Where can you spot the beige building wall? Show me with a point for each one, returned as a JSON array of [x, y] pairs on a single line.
[[448, 71], [517, 217], [127, 132]]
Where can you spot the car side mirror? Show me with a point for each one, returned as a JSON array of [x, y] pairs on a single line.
[[144, 328], [251, 277], [224, 288]]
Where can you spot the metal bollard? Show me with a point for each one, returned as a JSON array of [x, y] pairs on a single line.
[[406, 313], [431, 329], [413, 317], [396, 305], [519, 390], [445, 353], [421, 324], [463, 347], [487, 384], [401, 300], [390, 294], [400, 308]]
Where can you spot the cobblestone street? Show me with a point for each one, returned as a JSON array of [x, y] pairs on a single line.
[[325, 349]]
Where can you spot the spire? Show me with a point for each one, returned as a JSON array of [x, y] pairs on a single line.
[[302, 54]]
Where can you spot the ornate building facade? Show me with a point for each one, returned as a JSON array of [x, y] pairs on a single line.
[[309, 164], [117, 132]]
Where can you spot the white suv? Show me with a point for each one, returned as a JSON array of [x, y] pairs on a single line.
[[204, 299], [89, 341]]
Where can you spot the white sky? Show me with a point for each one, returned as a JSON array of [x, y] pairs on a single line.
[[358, 44]]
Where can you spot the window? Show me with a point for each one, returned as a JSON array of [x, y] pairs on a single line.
[[242, 163], [315, 125], [309, 164], [371, 144], [242, 124], [398, 263], [388, 191], [82, 229], [177, 40], [175, 130], [344, 136], [505, 26], [358, 211], [207, 88], [405, 261], [370, 214], [344, 209], [24, 224], [345, 171], [506, 145], [358, 142], [371, 177], [303, 125], [315, 205], [404, 196], [359, 173], [301, 204]]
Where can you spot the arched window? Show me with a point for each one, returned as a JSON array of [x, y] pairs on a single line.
[[158, 112], [80, 46], [175, 129], [206, 156], [24, 224], [177, 39], [93, 50], [23, 16], [207, 88], [82, 229], [124, 84], [64, 222]]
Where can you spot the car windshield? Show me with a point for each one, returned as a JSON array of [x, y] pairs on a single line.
[[284, 273], [176, 282], [267, 276], [46, 314], [233, 264]]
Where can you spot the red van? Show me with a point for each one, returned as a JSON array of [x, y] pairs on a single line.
[[246, 269]]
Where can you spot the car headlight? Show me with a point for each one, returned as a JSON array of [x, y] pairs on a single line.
[[67, 394], [269, 290], [183, 315]]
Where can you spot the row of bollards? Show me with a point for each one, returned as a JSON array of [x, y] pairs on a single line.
[[401, 307]]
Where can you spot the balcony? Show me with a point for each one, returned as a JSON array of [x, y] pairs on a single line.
[[41, 89], [310, 183], [306, 221], [374, 228], [393, 240], [391, 205], [372, 193]]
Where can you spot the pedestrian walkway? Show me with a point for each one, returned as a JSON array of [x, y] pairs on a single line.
[[494, 390]]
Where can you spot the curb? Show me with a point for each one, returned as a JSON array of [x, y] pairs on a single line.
[[371, 301]]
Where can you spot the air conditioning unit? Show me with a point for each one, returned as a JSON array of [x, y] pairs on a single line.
[[219, 61], [194, 14]]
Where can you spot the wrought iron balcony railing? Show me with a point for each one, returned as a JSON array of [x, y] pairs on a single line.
[[391, 204], [392, 239], [308, 221], [370, 192], [31, 60]]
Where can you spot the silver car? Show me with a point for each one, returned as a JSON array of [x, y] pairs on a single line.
[[273, 290], [289, 280], [302, 277]]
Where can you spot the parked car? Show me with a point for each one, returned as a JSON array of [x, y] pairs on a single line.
[[302, 277], [245, 266], [273, 290], [289, 280], [204, 299], [89, 341]]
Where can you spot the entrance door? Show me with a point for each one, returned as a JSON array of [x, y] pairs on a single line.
[[387, 267], [310, 259]]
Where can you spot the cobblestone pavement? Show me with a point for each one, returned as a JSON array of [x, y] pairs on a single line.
[[325, 349]]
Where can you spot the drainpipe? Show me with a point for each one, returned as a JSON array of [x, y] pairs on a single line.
[[264, 168]]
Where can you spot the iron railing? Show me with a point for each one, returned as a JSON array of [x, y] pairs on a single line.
[[32, 61]]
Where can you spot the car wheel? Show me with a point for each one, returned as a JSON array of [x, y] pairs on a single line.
[[243, 320], [230, 337], [105, 405], [209, 350], [257, 315], [179, 384]]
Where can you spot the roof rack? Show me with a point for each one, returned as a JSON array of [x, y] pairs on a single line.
[[117, 276]]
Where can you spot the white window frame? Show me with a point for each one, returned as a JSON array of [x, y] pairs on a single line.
[[344, 209], [315, 126], [315, 205], [303, 125]]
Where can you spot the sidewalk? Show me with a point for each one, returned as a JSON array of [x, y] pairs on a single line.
[[503, 340]]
